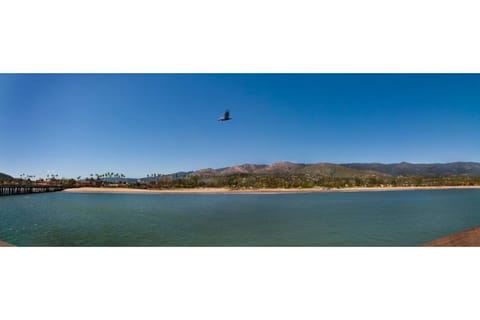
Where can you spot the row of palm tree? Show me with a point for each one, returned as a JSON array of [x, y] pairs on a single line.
[[24, 176], [107, 175], [52, 176], [154, 175]]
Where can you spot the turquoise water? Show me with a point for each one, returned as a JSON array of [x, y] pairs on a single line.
[[400, 218]]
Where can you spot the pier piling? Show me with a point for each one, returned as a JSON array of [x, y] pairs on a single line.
[[10, 190]]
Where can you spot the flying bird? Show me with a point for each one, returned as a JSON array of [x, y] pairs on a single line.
[[226, 116]]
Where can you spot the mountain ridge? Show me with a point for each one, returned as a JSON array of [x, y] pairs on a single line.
[[458, 168], [469, 169]]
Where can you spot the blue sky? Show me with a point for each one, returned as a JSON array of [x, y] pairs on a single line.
[[77, 124]]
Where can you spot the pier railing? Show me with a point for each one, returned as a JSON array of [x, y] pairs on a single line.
[[10, 190]]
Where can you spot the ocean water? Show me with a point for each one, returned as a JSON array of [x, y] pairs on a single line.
[[398, 218]]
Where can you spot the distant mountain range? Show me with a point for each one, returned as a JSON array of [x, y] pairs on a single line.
[[282, 168], [348, 170], [469, 169]]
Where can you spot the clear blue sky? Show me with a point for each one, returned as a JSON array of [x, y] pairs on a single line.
[[137, 124]]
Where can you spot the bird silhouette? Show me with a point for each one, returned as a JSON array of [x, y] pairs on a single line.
[[226, 116]]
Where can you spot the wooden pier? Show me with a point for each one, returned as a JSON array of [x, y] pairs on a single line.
[[6, 190]]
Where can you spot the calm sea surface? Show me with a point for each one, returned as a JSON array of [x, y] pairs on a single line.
[[400, 218]]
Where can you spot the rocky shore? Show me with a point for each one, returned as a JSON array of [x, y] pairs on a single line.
[[467, 238]]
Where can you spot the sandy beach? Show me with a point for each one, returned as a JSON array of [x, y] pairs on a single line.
[[256, 191]]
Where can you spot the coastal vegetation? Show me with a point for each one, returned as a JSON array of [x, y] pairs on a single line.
[[327, 175], [279, 175], [254, 181]]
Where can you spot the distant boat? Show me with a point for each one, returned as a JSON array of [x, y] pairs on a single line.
[[226, 116]]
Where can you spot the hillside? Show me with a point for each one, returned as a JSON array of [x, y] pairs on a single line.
[[287, 168], [469, 169], [4, 176], [331, 170], [300, 175]]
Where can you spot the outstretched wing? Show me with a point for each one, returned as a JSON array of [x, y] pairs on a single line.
[[227, 115]]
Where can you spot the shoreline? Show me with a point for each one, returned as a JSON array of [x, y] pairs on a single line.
[[466, 238], [257, 191], [6, 244]]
